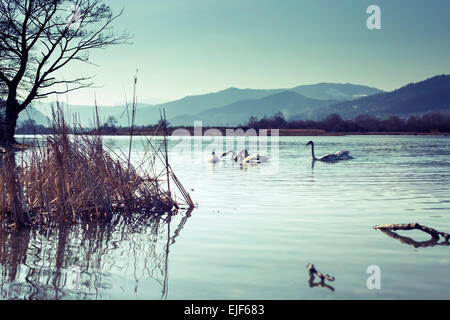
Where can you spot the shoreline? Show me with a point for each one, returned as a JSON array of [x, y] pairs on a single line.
[[190, 131], [282, 132]]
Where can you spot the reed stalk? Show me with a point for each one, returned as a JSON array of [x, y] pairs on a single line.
[[70, 176]]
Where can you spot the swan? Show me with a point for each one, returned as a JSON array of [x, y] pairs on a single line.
[[339, 155], [236, 157], [255, 159], [244, 157], [344, 155], [213, 158]]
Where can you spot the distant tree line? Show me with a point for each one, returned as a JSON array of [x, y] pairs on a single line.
[[430, 122], [29, 126]]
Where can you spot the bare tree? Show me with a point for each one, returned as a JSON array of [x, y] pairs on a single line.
[[38, 38]]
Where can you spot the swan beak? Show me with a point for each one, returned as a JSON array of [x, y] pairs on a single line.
[[224, 154]]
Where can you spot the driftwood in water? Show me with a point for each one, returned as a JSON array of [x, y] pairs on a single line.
[[314, 272], [435, 235]]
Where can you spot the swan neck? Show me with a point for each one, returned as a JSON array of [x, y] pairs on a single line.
[[312, 152]]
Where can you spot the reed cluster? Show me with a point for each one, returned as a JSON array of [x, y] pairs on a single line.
[[72, 175]]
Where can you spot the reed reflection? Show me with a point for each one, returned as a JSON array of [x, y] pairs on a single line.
[[40, 264]]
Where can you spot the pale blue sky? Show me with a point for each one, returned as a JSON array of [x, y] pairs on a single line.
[[187, 47]]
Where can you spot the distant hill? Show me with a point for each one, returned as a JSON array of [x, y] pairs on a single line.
[[287, 102], [212, 108], [431, 95], [35, 115], [193, 105], [335, 91], [149, 114], [235, 106], [27, 114], [239, 103], [85, 114]]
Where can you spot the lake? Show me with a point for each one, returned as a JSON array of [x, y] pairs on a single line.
[[256, 228]]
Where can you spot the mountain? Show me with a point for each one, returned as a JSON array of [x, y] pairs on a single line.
[[85, 114], [335, 91], [149, 114], [34, 114], [235, 106], [430, 95], [188, 109], [152, 101], [192, 105], [287, 102], [27, 114]]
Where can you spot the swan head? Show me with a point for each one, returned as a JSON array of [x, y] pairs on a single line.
[[310, 143], [213, 153]]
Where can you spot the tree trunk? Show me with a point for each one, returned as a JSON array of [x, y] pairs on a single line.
[[8, 124]]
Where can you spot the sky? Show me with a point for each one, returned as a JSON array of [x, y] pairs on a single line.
[[190, 47]]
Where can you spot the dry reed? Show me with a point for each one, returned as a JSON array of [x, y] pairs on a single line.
[[71, 175]]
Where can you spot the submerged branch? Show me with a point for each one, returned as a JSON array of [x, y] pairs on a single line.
[[435, 235], [314, 272]]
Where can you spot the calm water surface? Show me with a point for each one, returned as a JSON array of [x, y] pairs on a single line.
[[256, 228]]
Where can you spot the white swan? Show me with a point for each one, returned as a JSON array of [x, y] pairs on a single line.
[[244, 157], [213, 158], [339, 155], [236, 157], [256, 159], [344, 155]]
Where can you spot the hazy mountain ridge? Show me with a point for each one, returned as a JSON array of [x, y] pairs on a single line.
[[29, 113], [192, 105], [243, 103], [287, 102], [335, 91], [85, 114], [184, 111], [430, 95], [235, 106], [35, 115]]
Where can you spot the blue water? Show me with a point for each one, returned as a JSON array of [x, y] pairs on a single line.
[[257, 227]]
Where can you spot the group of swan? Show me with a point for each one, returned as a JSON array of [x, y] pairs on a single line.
[[242, 157], [330, 157], [239, 158]]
